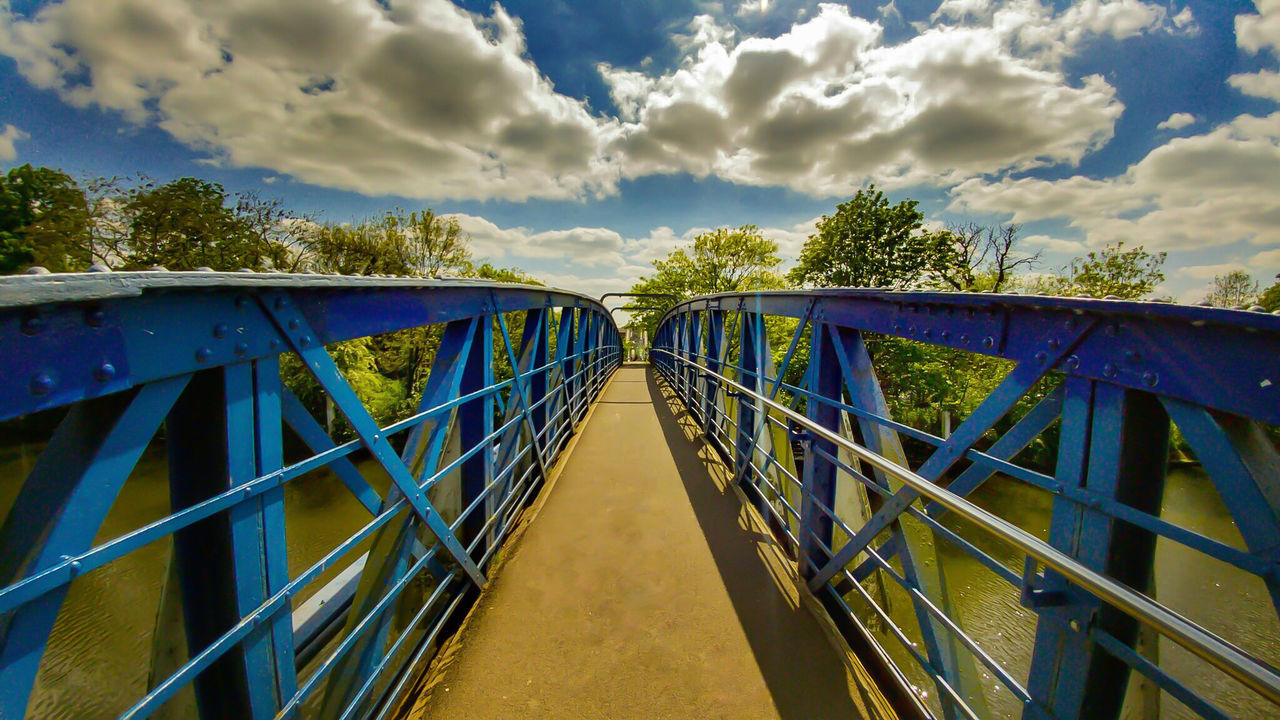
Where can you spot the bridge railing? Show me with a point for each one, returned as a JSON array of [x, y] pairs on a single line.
[[192, 361], [1076, 631]]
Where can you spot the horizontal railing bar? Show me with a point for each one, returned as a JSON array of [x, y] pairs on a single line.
[[1199, 641]]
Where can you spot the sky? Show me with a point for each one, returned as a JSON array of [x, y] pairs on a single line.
[[582, 140]]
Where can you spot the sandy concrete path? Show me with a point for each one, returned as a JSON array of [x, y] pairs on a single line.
[[643, 589]]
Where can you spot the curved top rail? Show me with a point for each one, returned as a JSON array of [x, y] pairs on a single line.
[[25, 290], [70, 336], [1216, 358]]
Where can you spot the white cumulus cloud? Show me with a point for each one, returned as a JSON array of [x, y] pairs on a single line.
[[8, 137], [1177, 121], [417, 98]]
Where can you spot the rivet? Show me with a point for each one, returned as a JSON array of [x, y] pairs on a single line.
[[242, 348], [204, 268], [1069, 323], [203, 354], [1150, 379], [220, 330], [1109, 369], [928, 334], [293, 324], [1073, 363], [246, 270], [897, 327], [1257, 308], [41, 383], [1042, 357], [248, 492], [988, 341], [99, 268], [304, 340], [104, 372], [95, 316], [964, 339], [36, 270], [274, 344], [911, 330], [75, 567], [242, 301], [159, 268], [1112, 330], [1133, 356], [282, 303], [32, 324], [1053, 343], [946, 335]]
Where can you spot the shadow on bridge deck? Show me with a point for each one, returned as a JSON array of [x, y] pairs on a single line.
[[644, 589]]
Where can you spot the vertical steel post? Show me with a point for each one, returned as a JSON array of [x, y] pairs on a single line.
[[714, 363], [1114, 444], [475, 423], [819, 475]]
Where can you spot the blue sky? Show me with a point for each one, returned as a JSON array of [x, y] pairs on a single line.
[[581, 140]]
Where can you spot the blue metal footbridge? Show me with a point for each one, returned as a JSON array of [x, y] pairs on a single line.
[[527, 400]]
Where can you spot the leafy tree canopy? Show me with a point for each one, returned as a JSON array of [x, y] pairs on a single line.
[[721, 260], [1112, 271], [44, 220], [871, 243], [1234, 290]]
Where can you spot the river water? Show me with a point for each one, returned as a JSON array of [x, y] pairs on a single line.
[[98, 657]]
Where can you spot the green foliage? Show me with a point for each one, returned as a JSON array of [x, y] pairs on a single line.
[[1270, 298], [1236, 289], [44, 220], [383, 396], [722, 260], [870, 243], [418, 244], [487, 271], [1114, 272]]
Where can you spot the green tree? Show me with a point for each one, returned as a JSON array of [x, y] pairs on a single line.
[[871, 243], [721, 260], [1270, 298], [419, 244], [1113, 272], [1236, 289], [487, 271], [187, 223], [44, 220]]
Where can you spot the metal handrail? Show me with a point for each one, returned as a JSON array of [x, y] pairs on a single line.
[[1194, 638]]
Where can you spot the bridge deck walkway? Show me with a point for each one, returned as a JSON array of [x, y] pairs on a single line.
[[644, 589]]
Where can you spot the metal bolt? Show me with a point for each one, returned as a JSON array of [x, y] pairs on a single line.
[[246, 270], [964, 339], [75, 567], [988, 341], [242, 348], [159, 268], [1133, 356], [203, 354], [104, 372], [95, 316], [1042, 357], [99, 268], [897, 327], [32, 324], [220, 330], [282, 303], [928, 334], [242, 302], [36, 270], [1069, 323], [274, 344], [946, 335], [304, 340], [42, 383], [293, 324], [1150, 379], [911, 330], [1053, 343], [204, 268], [1073, 363], [1257, 308], [1109, 369]]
